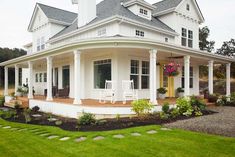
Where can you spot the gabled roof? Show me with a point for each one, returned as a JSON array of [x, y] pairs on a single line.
[[117, 9], [54, 15], [166, 5]]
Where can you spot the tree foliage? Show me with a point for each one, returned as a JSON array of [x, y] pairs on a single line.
[[204, 44], [7, 54], [227, 49]]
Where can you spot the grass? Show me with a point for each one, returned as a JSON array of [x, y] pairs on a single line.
[[175, 143]]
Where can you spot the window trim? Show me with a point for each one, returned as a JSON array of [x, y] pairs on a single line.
[[191, 72], [139, 33]]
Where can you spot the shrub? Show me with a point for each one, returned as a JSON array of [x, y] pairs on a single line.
[[2, 100], [223, 101], [35, 109], [27, 116], [87, 119], [232, 99], [118, 117], [175, 112], [141, 107], [161, 90], [166, 107], [164, 116], [197, 102], [183, 105], [17, 107], [212, 98]]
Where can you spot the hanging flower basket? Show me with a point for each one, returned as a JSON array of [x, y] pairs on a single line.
[[171, 69]]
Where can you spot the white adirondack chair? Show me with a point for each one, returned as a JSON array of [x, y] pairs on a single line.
[[129, 91], [109, 92]]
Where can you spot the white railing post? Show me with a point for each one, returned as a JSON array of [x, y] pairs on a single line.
[[77, 77], [186, 75], [30, 82], [6, 82], [210, 77], [16, 78], [228, 79], [153, 76], [49, 79]]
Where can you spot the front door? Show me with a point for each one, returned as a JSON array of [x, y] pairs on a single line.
[[167, 82]]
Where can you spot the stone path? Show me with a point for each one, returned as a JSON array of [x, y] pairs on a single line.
[[50, 136], [221, 123]]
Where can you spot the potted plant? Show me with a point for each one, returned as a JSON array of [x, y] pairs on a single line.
[[180, 92], [162, 93], [171, 69], [206, 93]]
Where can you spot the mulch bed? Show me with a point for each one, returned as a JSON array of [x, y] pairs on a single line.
[[70, 124]]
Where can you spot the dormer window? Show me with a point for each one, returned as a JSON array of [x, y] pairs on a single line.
[[143, 11], [188, 7], [166, 40], [139, 33]]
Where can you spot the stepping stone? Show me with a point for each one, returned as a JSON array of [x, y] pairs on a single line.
[[118, 136], [36, 115], [23, 130], [44, 134], [165, 129], [6, 127], [135, 134], [80, 139], [14, 129], [52, 119], [152, 132], [64, 138], [98, 138], [52, 137]]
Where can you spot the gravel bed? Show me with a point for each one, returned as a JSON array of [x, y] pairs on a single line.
[[221, 123]]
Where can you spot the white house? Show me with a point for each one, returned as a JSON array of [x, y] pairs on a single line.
[[114, 40]]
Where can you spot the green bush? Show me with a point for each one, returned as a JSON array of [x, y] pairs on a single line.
[[161, 90], [180, 90], [232, 99], [166, 107], [184, 106], [164, 116], [8, 114], [87, 119], [175, 113], [223, 101], [2, 100], [141, 107], [197, 102]]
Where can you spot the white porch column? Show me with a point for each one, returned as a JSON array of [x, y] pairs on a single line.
[[49, 79], [16, 78], [210, 77], [6, 81], [153, 76], [228, 79], [30, 81], [77, 77], [186, 75]]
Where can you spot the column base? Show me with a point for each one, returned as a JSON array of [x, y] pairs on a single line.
[[154, 102], [49, 99], [77, 102], [30, 97]]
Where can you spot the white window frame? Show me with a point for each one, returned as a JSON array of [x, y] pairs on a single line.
[[38, 44], [147, 74], [139, 33], [143, 11], [190, 38], [43, 45], [187, 35]]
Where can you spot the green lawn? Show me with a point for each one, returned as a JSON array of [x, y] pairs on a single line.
[[174, 143]]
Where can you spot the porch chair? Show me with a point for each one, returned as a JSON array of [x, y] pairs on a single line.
[[129, 90], [108, 92]]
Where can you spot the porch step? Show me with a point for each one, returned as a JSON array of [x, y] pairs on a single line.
[[21, 101]]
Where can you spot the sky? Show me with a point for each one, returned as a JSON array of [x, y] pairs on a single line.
[[15, 16]]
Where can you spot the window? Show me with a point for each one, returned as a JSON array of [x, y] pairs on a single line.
[[36, 78], [184, 37], [139, 33], [42, 43], [188, 7], [166, 40], [187, 38], [143, 11], [145, 75], [38, 44], [135, 73], [40, 77], [45, 77], [102, 72], [190, 38], [102, 32], [191, 78], [66, 76]]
